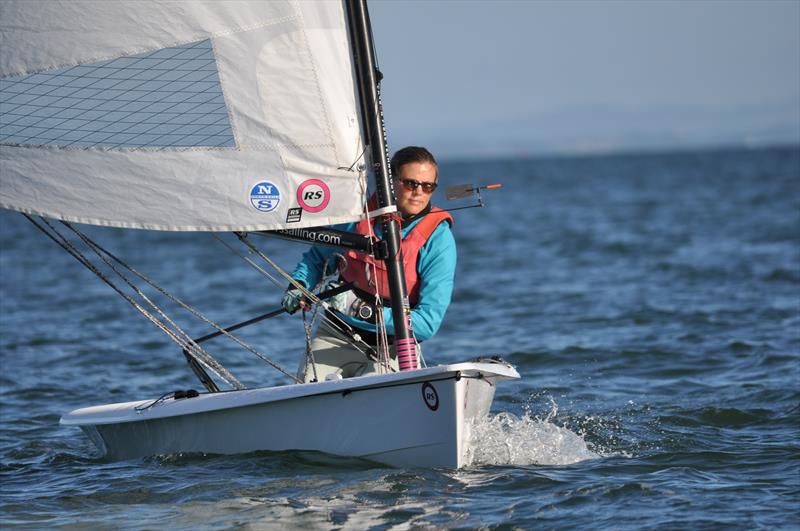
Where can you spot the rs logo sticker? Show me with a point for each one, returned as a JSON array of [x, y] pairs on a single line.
[[313, 195], [430, 396]]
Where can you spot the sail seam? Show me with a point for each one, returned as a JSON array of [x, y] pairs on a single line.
[[313, 64], [174, 228], [273, 147], [221, 76], [113, 104], [128, 52]]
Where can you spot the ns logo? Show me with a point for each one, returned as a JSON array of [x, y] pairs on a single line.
[[265, 196]]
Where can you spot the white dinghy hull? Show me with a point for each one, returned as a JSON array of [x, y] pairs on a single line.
[[417, 418]]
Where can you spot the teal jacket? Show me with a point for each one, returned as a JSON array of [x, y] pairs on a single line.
[[436, 267]]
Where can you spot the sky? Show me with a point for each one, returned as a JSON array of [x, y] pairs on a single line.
[[530, 77]]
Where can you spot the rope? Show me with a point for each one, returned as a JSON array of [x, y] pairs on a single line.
[[201, 355], [305, 291], [99, 250], [380, 322], [308, 324]]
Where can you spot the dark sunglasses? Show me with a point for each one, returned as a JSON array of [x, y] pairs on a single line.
[[411, 185]]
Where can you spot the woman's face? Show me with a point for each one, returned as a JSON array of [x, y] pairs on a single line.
[[412, 198]]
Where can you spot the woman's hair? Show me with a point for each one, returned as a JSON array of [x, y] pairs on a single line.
[[411, 154]]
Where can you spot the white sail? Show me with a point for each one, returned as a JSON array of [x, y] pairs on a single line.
[[191, 116]]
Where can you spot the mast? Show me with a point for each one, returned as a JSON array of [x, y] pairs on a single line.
[[368, 78]]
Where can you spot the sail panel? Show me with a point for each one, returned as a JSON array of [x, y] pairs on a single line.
[[167, 97], [204, 116], [252, 190], [39, 36]]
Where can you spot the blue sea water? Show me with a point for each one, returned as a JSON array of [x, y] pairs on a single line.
[[651, 304]]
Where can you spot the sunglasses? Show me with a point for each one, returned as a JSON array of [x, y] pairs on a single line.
[[411, 185]]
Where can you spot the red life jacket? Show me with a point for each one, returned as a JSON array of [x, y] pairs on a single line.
[[359, 269]]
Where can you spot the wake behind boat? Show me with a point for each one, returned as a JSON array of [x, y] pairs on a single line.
[[262, 118]]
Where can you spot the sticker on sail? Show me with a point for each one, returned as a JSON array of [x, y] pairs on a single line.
[[313, 195], [265, 196], [430, 396], [294, 215]]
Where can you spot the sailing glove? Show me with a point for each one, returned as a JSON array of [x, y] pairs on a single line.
[[339, 302], [291, 300]]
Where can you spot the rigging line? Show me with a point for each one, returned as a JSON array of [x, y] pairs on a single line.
[[355, 339], [327, 317], [248, 260], [309, 351], [282, 272], [176, 333], [186, 342], [382, 343], [308, 294], [380, 324], [360, 157], [308, 324], [70, 249], [176, 300], [94, 247], [380, 321]]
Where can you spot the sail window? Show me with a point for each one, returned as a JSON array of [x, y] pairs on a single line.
[[167, 98]]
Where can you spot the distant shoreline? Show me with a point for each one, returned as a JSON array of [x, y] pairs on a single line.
[[623, 152]]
